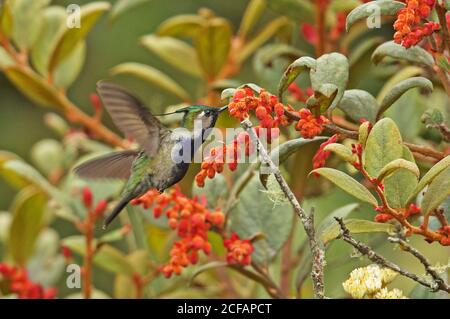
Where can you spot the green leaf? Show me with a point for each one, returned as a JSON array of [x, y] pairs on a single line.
[[90, 13], [437, 192], [359, 104], [47, 155], [213, 43], [399, 76], [6, 19], [185, 25], [256, 214], [29, 174], [342, 151], [383, 145], [384, 7], [13, 180], [152, 76], [206, 267], [401, 183], [54, 25], [68, 71], [298, 10], [430, 176], [355, 226], [400, 88], [106, 257], [122, 6], [32, 86], [347, 183], [6, 60], [414, 54], [343, 5], [361, 50], [396, 165], [293, 71], [282, 152], [270, 30], [28, 211], [331, 69], [175, 52], [341, 212], [252, 14], [27, 21], [214, 191]]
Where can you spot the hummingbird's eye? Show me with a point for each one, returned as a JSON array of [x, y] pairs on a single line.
[[207, 113]]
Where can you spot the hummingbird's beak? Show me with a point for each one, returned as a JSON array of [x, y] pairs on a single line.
[[223, 108]]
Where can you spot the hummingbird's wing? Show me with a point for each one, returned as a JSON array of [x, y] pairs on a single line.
[[112, 165], [132, 117]]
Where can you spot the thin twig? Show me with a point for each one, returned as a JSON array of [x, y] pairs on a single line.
[[380, 260], [438, 280], [307, 221]]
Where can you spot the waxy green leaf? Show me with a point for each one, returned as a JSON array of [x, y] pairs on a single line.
[[255, 214], [152, 76], [414, 54], [383, 145], [355, 226], [90, 13], [175, 52], [342, 151], [28, 211], [359, 104], [32, 86], [213, 43], [333, 69], [298, 10], [437, 192], [293, 71], [396, 165], [251, 16], [347, 183], [373, 9], [185, 25], [430, 176], [400, 88]]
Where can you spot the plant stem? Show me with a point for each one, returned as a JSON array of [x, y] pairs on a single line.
[[88, 259], [380, 260], [307, 221]]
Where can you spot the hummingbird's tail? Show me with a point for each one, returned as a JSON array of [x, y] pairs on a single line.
[[116, 211]]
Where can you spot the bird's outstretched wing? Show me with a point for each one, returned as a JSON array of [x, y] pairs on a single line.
[[112, 165], [132, 117]]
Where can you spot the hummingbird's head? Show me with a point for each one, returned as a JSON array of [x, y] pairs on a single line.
[[205, 114]]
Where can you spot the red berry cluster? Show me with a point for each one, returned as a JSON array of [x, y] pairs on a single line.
[[190, 218], [238, 251], [445, 230], [383, 217], [409, 30], [299, 94], [96, 211], [17, 282], [268, 110], [309, 125], [321, 156]]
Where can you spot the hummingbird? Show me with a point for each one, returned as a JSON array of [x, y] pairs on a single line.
[[160, 161]]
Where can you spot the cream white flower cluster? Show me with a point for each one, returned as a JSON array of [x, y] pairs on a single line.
[[370, 282]]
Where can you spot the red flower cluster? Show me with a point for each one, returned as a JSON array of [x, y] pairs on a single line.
[[238, 251], [268, 110], [409, 30], [190, 218], [18, 283], [299, 94], [99, 209], [383, 217], [321, 156], [309, 125], [445, 230]]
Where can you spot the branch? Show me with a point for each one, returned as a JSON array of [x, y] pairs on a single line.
[[438, 280], [307, 221], [380, 260]]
